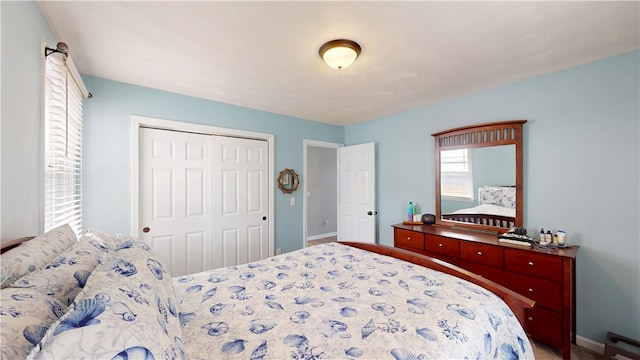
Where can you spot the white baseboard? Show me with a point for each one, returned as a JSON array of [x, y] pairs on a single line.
[[316, 237], [590, 344]]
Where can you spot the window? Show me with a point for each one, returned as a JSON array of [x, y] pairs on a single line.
[[63, 96], [456, 174]]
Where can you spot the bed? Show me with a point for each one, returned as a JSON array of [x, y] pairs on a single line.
[[496, 207], [330, 301]]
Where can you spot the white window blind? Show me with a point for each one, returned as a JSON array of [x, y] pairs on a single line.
[[63, 99], [456, 174]]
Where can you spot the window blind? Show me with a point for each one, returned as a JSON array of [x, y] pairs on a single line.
[[456, 174], [63, 99]]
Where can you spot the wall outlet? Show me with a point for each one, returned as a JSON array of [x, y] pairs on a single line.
[[278, 251]]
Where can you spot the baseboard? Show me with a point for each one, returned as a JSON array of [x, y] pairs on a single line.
[[321, 236], [590, 344]]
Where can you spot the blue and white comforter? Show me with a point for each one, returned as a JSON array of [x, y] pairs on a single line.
[[332, 301]]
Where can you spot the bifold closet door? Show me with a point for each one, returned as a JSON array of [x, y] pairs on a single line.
[[240, 200], [175, 198], [204, 199]]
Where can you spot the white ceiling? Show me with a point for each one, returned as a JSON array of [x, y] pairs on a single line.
[[264, 55]]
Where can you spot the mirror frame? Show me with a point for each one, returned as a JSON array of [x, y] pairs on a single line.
[[288, 188], [478, 136]]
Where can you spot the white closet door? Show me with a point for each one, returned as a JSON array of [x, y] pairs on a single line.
[[241, 201], [175, 198]]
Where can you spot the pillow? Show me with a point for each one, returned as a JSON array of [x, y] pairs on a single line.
[[25, 315], [497, 195], [35, 253], [66, 275], [104, 238], [127, 307], [509, 197]]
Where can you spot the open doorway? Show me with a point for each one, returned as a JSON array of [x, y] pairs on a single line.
[[320, 188]]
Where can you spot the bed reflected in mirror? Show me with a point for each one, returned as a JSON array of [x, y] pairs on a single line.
[[478, 185]]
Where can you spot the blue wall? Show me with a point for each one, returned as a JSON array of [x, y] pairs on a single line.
[[23, 31], [107, 149], [581, 158], [581, 173]]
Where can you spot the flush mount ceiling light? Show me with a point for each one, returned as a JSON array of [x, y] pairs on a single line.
[[339, 54]]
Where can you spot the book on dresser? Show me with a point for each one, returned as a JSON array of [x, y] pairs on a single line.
[[546, 276]]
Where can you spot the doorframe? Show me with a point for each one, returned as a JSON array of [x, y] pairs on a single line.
[[306, 143], [138, 122]]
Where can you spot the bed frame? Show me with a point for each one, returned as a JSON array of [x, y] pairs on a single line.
[[8, 245], [515, 301], [482, 219]]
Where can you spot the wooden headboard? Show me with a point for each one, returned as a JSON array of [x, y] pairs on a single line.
[[8, 245]]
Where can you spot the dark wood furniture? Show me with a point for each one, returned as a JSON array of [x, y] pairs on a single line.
[[546, 276], [483, 219], [482, 136], [8, 245]]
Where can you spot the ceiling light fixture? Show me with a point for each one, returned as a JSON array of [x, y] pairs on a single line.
[[339, 54]]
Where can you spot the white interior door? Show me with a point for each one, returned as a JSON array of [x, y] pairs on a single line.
[[357, 198], [175, 198], [240, 210]]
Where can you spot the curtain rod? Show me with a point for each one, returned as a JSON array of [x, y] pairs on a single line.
[[63, 49]]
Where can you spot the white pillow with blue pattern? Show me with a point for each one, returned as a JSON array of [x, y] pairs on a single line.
[[34, 254], [25, 314], [66, 275], [127, 309], [106, 239]]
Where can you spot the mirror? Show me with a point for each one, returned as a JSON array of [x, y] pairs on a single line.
[[479, 176], [288, 181]]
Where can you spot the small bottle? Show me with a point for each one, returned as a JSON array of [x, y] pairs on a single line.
[[548, 237], [410, 211], [542, 237]]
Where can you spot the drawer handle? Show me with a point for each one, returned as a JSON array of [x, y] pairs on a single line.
[[440, 245], [530, 263], [408, 239], [531, 290], [530, 318], [479, 253]]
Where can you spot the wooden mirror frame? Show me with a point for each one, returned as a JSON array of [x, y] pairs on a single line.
[[283, 181], [478, 136]]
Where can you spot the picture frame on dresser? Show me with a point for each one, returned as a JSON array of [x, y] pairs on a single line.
[[469, 238]]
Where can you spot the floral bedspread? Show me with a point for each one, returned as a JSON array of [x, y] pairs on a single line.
[[332, 301]]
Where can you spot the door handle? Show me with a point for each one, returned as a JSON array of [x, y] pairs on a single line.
[[146, 229], [264, 218], [372, 213]]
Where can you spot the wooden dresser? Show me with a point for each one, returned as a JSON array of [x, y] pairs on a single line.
[[546, 276]]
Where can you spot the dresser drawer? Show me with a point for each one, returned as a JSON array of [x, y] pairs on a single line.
[[483, 254], [535, 264], [442, 245], [546, 293], [411, 240], [544, 325]]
